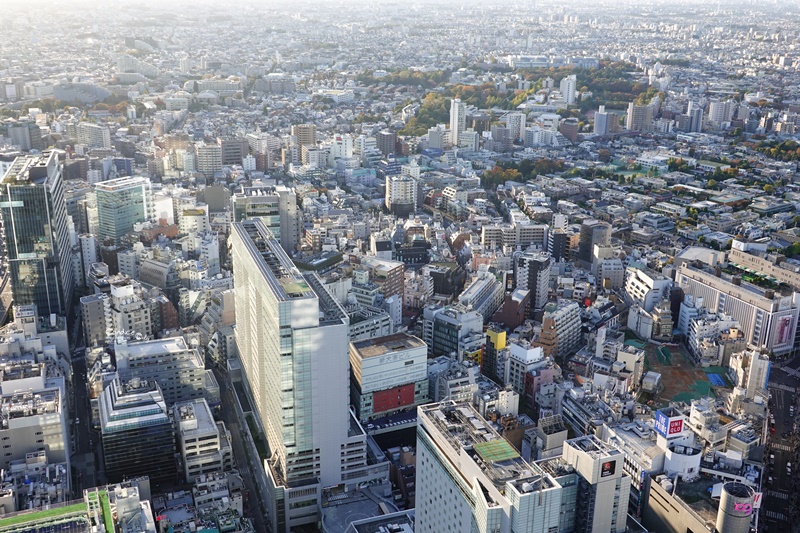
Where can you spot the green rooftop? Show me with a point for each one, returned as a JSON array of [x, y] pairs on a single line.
[[496, 450], [11, 523]]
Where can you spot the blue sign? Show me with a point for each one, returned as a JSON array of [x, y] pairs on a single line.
[[662, 422]]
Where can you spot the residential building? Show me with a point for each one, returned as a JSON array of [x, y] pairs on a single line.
[[532, 272], [458, 120]]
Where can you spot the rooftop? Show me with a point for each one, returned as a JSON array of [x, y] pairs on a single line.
[[467, 432], [383, 345]]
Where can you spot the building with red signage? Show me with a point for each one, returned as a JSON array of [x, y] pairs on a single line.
[[388, 374]]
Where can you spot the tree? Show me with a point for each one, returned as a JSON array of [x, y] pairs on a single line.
[[769, 189], [712, 184], [604, 155], [498, 175]]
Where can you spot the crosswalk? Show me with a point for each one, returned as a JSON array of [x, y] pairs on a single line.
[[781, 386], [778, 494], [775, 515], [781, 447]]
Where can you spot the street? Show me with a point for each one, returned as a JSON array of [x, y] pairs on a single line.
[[228, 415]]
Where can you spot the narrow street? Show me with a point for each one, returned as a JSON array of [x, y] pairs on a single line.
[[228, 415]]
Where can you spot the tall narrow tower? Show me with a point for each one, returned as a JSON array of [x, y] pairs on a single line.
[[458, 119]]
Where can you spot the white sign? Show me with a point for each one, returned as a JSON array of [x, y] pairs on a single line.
[[757, 500]]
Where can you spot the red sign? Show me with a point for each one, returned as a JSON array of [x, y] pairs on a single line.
[[675, 426]]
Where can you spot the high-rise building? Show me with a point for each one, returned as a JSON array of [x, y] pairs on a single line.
[[121, 203], [561, 329], [93, 136], [695, 114], [532, 272], [515, 122], [592, 232], [293, 340], [33, 399], [233, 151], [640, 117], [401, 195], [276, 206], [469, 478], [138, 438], [495, 341], [598, 499], [36, 233], [209, 159], [306, 134], [458, 120], [385, 141], [569, 88]]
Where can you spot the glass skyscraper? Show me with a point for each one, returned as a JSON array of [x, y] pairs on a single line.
[[121, 203], [36, 233]]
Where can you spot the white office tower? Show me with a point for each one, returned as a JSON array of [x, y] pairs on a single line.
[[515, 122], [469, 478], [569, 88], [458, 120], [294, 348]]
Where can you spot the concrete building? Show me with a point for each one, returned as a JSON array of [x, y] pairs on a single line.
[[768, 320], [388, 374], [33, 400], [306, 134], [295, 338], [592, 232], [646, 288], [93, 135], [401, 195], [484, 294], [209, 159], [276, 206], [595, 469], [178, 369], [205, 445], [561, 329], [470, 478], [532, 272]]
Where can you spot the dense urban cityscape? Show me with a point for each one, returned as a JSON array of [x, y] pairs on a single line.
[[425, 267]]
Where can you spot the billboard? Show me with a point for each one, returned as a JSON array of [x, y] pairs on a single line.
[[784, 329], [608, 468], [666, 426]]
